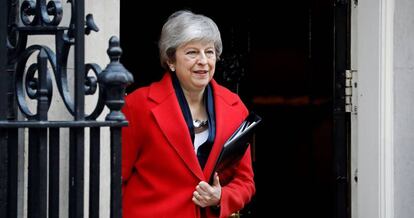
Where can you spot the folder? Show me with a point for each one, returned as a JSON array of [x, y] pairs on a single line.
[[235, 147]]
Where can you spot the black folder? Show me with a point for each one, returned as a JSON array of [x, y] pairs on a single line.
[[235, 147]]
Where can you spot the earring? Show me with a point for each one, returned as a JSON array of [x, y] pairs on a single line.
[[172, 69]]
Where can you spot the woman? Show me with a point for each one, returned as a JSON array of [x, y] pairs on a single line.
[[177, 127]]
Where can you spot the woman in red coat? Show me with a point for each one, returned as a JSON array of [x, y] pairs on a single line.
[[177, 127]]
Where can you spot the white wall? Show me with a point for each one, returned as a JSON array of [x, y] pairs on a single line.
[[385, 56], [367, 53], [404, 108], [374, 49]]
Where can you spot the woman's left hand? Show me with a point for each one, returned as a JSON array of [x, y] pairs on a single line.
[[206, 194]]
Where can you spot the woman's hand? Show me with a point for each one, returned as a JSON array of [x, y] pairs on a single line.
[[208, 195]]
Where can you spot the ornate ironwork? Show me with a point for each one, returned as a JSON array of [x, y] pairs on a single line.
[[32, 81], [36, 19]]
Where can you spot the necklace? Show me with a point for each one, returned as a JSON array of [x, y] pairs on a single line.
[[199, 123]]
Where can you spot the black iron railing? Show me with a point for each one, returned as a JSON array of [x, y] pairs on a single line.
[[21, 80]]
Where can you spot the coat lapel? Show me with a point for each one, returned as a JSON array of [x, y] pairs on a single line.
[[169, 117]]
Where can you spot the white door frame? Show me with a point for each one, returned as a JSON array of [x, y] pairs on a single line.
[[374, 194]]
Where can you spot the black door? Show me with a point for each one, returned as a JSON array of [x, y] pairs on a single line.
[[280, 58]]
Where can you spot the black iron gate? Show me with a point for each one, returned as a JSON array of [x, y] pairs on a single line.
[[22, 79]]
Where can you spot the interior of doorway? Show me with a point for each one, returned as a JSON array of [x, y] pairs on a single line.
[[285, 50]]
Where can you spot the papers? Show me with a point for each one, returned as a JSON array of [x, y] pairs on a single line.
[[235, 147], [243, 128]]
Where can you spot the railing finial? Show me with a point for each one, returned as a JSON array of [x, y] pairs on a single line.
[[115, 78], [114, 51]]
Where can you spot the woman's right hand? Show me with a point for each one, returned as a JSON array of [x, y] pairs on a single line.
[[208, 195]]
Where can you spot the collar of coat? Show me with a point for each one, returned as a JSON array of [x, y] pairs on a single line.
[[164, 88]]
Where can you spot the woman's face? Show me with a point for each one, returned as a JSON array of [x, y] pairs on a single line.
[[195, 64]]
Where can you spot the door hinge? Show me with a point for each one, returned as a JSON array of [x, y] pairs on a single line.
[[350, 91]]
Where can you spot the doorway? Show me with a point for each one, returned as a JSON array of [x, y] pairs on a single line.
[[280, 58]]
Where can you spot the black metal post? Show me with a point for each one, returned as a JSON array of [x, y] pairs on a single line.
[[33, 174], [3, 111], [94, 172], [76, 172], [3, 61], [41, 137], [115, 78], [9, 107], [12, 136], [116, 181], [3, 173], [42, 103], [37, 181], [79, 60], [77, 135], [54, 169]]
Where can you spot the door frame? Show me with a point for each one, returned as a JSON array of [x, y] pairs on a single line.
[[374, 139]]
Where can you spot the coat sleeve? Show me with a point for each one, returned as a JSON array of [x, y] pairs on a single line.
[[240, 189], [129, 145]]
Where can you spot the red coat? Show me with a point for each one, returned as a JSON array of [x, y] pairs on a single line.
[[160, 169]]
